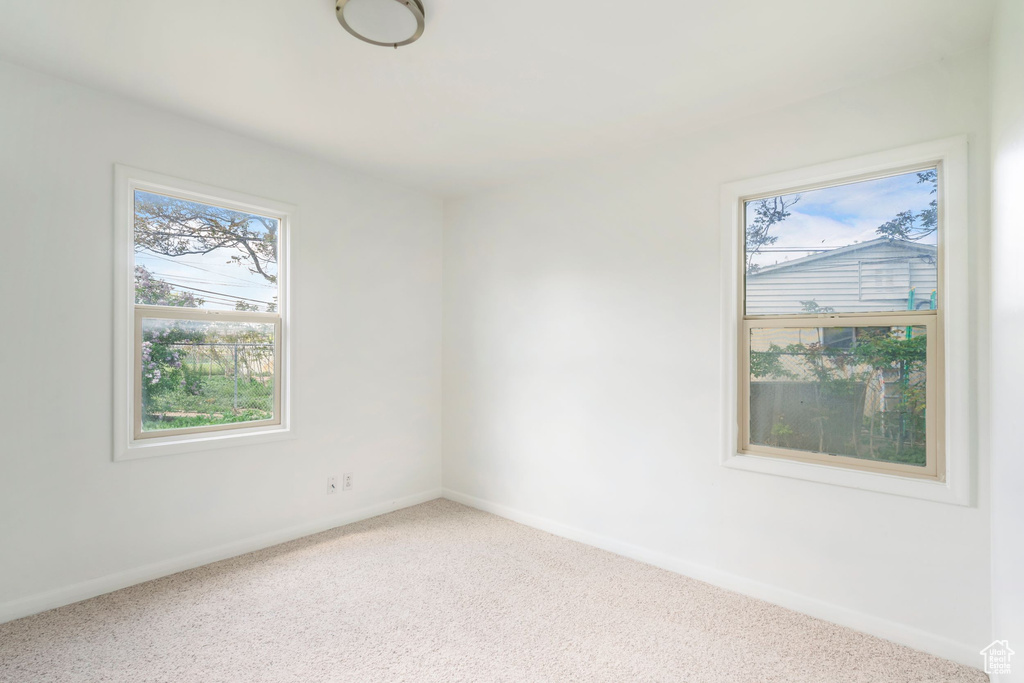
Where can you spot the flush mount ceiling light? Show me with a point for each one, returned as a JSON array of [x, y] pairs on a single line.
[[389, 23]]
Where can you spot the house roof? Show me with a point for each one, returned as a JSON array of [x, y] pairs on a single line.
[[923, 249]]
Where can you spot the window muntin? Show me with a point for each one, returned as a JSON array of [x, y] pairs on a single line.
[[207, 316], [840, 346], [861, 246]]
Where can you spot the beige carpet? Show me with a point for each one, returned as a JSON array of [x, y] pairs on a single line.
[[442, 592]]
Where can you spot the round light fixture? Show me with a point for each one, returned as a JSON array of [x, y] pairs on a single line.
[[389, 23]]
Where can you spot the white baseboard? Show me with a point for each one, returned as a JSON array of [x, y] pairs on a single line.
[[910, 636], [58, 597]]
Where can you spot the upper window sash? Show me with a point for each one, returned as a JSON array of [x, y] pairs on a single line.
[[864, 244]]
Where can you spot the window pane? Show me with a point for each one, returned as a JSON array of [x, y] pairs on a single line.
[[201, 256], [861, 247], [197, 373], [853, 391]]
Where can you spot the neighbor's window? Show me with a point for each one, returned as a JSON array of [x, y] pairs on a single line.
[[840, 344], [207, 316]]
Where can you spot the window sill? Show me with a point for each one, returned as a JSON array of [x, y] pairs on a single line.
[[924, 489], [193, 443]]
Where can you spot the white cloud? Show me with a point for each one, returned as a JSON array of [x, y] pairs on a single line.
[[842, 215]]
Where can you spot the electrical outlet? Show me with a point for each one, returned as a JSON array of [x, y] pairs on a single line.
[[332, 485], [346, 481]]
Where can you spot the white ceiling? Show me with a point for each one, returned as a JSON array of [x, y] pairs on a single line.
[[494, 88]]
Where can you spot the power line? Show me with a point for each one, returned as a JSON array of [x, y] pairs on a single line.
[[795, 249], [202, 281], [150, 254], [229, 296], [222, 298]]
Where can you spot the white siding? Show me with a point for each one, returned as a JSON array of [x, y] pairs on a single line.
[[877, 277]]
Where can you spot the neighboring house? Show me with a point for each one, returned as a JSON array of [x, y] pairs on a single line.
[[870, 276], [878, 275]]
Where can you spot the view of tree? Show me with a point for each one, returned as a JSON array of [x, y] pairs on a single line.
[[769, 363], [162, 368], [205, 373], [911, 226], [154, 292], [834, 419], [176, 227], [767, 213], [813, 307]]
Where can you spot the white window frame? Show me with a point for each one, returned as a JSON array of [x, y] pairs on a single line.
[[954, 484], [129, 442]]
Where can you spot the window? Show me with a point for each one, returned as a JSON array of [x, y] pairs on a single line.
[[848, 328], [852, 392], [203, 276]]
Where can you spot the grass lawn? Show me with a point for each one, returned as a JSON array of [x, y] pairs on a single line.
[[214, 403]]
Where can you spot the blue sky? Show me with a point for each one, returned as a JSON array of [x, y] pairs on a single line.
[[845, 214], [821, 219], [224, 280]]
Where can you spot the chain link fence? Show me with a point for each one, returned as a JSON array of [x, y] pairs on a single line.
[[220, 379]]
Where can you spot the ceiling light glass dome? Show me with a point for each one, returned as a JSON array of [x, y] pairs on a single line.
[[389, 23]]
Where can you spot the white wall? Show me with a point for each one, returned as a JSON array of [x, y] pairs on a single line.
[[366, 292], [581, 322], [581, 362], [1008, 329]]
